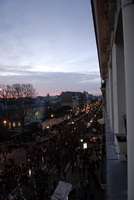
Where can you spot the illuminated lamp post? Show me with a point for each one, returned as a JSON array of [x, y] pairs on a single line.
[[81, 140], [5, 123], [52, 115], [29, 172], [43, 159], [48, 127]]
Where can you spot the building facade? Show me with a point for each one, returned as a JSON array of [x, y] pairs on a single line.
[[74, 100], [114, 30], [10, 116]]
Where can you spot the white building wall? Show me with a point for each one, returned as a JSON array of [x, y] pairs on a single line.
[[121, 91], [128, 33], [119, 100], [107, 98], [115, 97], [110, 97]]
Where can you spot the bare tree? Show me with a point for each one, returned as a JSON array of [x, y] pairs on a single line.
[[5, 102], [18, 100]]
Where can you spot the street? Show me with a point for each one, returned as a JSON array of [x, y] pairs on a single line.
[[37, 164]]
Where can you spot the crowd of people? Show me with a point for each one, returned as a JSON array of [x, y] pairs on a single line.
[[47, 155]]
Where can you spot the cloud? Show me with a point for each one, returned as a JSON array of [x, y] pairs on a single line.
[[50, 44], [49, 82], [30, 35]]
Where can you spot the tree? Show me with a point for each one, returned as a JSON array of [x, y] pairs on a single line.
[[17, 101], [5, 103]]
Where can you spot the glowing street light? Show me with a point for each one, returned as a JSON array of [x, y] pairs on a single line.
[[5, 122], [42, 159], [29, 172], [84, 145]]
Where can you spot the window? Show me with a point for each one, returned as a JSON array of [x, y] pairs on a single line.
[[19, 124]]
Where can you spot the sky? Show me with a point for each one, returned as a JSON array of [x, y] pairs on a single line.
[[50, 44]]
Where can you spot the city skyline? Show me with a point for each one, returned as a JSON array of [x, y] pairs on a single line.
[[50, 44]]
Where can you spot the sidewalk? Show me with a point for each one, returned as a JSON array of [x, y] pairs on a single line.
[[84, 187]]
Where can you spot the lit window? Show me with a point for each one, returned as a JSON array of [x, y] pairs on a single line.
[[10, 126], [84, 145], [19, 124], [13, 124], [37, 113]]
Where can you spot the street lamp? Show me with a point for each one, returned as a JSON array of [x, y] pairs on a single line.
[[42, 159], [5, 122], [81, 140], [29, 172]]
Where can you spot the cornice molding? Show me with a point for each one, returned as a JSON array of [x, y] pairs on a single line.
[[126, 2]]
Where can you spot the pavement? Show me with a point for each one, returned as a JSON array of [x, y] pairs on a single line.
[[82, 188], [116, 169]]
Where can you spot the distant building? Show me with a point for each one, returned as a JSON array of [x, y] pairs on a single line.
[[9, 115], [75, 100], [69, 99]]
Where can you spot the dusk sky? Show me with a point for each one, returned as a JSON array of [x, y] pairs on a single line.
[[50, 44]]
